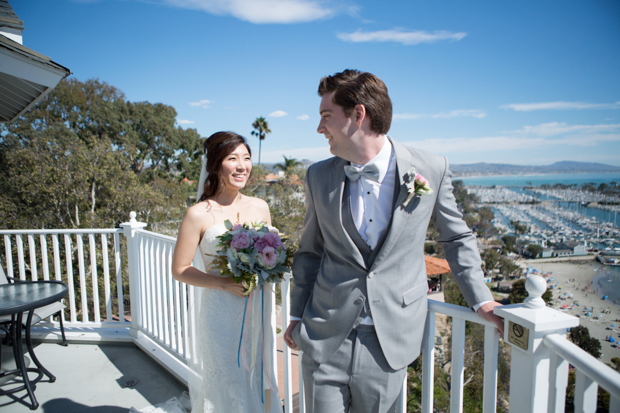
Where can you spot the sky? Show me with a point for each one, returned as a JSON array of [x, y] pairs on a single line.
[[525, 82]]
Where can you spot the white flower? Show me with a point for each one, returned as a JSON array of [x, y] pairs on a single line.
[[243, 257]]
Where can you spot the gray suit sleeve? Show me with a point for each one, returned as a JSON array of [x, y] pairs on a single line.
[[307, 260], [459, 244]]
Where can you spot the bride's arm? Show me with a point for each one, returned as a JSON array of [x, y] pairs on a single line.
[[185, 249]]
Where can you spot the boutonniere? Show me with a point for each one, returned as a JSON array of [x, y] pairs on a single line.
[[416, 185]]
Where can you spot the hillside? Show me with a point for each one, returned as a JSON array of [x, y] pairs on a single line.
[[563, 167]]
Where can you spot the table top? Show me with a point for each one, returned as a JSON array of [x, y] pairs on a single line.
[[27, 295]]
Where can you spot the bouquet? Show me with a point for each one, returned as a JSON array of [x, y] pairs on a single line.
[[252, 254]]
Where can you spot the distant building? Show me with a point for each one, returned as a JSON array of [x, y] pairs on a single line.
[[504, 286], [546, 253], [569, 248]]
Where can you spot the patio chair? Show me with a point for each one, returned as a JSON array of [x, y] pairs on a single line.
[[39, 314]]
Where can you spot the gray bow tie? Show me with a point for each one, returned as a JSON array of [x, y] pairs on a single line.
[[369, 171]]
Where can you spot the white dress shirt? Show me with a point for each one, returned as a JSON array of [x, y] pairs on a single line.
[[371, 201]]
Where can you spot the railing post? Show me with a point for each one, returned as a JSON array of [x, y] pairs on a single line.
[[133, 268], [525, 326]]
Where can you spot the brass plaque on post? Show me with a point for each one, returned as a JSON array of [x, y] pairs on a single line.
[[518, 335]]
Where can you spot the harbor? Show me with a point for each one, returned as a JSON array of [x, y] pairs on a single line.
[[556, 216]]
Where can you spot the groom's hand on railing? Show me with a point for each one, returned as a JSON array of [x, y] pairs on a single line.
[[486, 312], [288, 338]]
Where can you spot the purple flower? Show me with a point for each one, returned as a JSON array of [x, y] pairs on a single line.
[[270, 256], [272, 239], [260, 244], [237, 226], [240, 241]]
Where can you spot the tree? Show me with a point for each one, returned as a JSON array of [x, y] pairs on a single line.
[[535, 250], [518, 293], [491, 258], [508, 267], [580, 336], [509, 243], [85, 157], [288, 166], [261, 130], [518, 229]]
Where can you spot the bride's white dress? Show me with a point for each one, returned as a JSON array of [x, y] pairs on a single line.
[[225, 386]]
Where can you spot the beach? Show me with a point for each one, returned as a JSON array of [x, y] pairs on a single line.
[[585, 280]]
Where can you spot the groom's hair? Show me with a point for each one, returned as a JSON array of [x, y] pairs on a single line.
[[352, 87], [217, 147]]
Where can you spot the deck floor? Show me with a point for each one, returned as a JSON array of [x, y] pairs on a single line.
[[90, 378]]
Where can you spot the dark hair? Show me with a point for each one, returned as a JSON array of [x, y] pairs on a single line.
[[217, 147], [352, 87]]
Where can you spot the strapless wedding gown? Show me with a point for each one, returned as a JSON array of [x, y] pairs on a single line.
[[226, 387]]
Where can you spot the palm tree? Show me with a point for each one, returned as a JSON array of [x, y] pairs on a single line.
[[288, 165], [262, 129]]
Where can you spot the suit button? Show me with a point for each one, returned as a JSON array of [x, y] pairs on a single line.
[[370, 274], [359, 301]]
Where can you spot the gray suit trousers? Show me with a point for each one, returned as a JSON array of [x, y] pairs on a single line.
[[356, 379]]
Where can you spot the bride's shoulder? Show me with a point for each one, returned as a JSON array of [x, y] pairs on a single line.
[[200, 214]]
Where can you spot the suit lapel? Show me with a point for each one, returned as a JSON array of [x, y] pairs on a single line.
[[336, 190], [404, 162]]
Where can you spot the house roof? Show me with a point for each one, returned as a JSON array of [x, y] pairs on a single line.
[[25, 78], [436, 266], [25, 75], [8, 18]]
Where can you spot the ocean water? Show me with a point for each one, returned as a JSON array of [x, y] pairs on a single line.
[[535, 180], [607, 282]]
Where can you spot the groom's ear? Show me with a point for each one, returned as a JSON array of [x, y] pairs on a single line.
[[360, 114]]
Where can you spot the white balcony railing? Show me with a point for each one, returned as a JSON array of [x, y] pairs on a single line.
[[159, 322]]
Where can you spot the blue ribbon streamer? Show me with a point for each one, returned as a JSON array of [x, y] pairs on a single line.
[[242, 325], [262, 314], [262, 307]]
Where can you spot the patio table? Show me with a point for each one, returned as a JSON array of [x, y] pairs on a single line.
[[16, 299]]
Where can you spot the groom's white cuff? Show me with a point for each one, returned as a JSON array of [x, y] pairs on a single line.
[[293, 318], [476, 307]]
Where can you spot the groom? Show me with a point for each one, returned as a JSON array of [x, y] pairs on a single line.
[[358, 301]]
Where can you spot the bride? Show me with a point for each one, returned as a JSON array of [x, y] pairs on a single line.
[[222, 386]]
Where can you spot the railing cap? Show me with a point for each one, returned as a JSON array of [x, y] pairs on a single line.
[[133, 224], [537, 319]]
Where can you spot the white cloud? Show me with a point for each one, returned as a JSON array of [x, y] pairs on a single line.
[[556, 128], [206, 104], [400, 36], [509, 143], [278, 114], [561, 105], [303, 117], [185, 122], [260, 11], [473, 113]]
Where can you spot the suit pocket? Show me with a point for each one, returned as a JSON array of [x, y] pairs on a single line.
[[415, 293], [321, 287]]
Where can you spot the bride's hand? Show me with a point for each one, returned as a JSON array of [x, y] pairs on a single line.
[[228, 285]]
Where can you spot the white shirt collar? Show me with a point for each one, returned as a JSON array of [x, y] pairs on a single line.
[[382, 160]]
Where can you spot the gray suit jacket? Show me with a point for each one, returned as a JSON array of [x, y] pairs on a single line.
[[331, 281]]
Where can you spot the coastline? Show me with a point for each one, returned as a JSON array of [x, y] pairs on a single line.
[[580, 278]]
